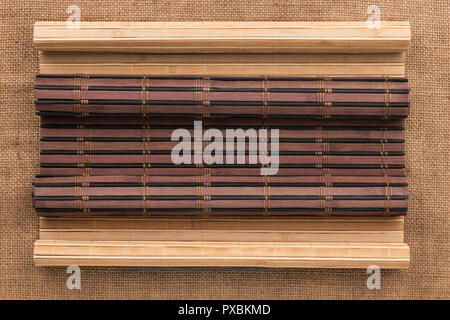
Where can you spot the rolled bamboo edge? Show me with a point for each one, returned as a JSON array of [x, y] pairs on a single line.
[[217, 37], [304, 242], [242, 254]]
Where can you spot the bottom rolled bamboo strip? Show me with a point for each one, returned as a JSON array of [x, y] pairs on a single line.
[[204, 253], [326, 242]]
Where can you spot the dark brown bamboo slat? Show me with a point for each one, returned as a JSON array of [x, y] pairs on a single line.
[[218, 97]]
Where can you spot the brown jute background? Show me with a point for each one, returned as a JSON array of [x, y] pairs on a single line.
[[427, 160]]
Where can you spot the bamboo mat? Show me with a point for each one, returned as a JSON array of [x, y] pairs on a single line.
[[427, 149], [289, 97]]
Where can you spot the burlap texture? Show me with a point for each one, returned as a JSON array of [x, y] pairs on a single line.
[[427, 160]]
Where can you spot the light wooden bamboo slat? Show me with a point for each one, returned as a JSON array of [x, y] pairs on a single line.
[[305, 64], [204, 253], [333, 242], [313, 229], [211, 37]]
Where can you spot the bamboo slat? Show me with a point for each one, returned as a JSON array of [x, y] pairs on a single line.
[[206, 253], [306, 229], [299, 64], [97, 145], [211, 97], [220, 196], [229, 37]]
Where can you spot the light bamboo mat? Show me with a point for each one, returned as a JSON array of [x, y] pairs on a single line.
[[337, 242]]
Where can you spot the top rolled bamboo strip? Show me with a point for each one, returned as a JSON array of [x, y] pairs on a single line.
[[216, 37]]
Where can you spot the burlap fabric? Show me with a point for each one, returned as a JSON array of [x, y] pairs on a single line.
[[427, 160]]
